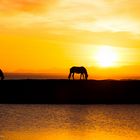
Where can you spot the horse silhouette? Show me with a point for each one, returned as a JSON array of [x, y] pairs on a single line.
[[80, 70], [1, 75]]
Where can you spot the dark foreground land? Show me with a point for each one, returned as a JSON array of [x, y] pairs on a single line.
[[70, 92]]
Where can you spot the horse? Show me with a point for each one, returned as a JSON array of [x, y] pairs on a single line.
[[80, 70], [1, 75]]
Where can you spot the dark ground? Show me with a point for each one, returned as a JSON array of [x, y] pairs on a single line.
[[70, 92]]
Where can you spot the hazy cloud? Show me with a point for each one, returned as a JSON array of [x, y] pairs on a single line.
[[15, 6], [89, 15]]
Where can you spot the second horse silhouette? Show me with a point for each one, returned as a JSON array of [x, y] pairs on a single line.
[[80, 70], [1, 75]]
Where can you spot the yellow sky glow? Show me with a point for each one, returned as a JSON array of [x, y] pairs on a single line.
[[53, 35]]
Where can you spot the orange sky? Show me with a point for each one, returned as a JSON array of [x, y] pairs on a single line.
[[52, 35]]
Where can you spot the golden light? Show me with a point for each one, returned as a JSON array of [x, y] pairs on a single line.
[[106, 56]]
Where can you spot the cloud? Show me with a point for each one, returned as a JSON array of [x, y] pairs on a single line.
[[90, 15], [33, 6], [127, 8], [101, 15]]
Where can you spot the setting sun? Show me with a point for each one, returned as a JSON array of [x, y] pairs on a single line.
[[106, 56]]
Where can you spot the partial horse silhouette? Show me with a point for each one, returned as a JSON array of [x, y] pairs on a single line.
[[80, 70], [1, 75]]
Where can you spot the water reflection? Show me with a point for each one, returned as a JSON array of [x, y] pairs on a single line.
[[69, 122]]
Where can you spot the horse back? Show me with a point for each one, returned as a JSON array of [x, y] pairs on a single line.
[[78, 69]]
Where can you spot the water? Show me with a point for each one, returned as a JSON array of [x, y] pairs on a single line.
[[18, 76], [69, 122]]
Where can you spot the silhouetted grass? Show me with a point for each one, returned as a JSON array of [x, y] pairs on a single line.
[[70, 92]]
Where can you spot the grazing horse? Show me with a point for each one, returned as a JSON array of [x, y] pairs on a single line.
[[1, 75], [80, 70]]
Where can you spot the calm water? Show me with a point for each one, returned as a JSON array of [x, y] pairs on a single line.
[[69, 122], [18, 76]]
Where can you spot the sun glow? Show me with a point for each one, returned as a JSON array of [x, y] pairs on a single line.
[[106, 56]]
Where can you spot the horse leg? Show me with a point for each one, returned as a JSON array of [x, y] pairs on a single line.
[[80, 76], [73, 75], [2, 77], [83, 76], [69, 76]]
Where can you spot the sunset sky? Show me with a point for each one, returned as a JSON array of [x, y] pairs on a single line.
[[52, 35]]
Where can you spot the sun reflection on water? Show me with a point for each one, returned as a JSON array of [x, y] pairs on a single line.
[[69, 122]]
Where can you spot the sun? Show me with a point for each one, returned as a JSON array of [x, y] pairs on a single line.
[[106, 56]]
